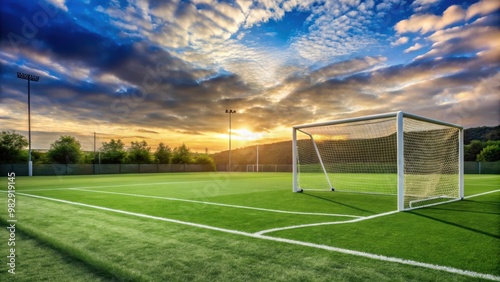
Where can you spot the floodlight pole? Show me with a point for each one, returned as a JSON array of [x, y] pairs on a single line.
[[29, 77], [230, 112], [257, 158], [94, 153]]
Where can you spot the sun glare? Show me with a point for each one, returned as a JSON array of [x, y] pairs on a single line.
[[245, 134]]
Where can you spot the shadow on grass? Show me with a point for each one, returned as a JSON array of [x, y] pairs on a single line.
[[455, 224], [492, 203], [488, 205], [339, 203]]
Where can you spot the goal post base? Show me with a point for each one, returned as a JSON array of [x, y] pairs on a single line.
[[299, 191]]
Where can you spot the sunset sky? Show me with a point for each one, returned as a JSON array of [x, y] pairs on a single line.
[[166, 71]]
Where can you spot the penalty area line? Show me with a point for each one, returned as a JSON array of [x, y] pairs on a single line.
[[325, 223], [216, 204], [283, 240]]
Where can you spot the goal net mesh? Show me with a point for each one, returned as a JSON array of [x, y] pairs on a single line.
[[362, 157], [353, 157], [431, 157]]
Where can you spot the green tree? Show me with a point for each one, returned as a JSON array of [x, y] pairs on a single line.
[[11, 147], [492, 142], [163, 154], [205, 160], [472, 150], [65, 150], [113, 152], [489, 154], [139, 153], [37, 157], [182, 155], [89, 158]]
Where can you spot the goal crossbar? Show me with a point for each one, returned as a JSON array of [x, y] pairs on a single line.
[[377, 116]]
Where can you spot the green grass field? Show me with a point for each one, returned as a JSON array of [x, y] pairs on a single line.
[[242, 226]]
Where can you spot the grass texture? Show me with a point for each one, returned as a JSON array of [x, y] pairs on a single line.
[[106, 245]]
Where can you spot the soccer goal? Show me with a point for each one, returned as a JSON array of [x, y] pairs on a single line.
[[417, 159]]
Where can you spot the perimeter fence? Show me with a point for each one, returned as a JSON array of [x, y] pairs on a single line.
[[482, 167], [87, 169]]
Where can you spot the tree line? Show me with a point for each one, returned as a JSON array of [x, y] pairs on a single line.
[[482, 144], [68, 150], [482, 151], [482, 133]]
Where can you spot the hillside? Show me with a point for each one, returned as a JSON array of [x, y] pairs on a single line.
[[275, 153], [483, 133]]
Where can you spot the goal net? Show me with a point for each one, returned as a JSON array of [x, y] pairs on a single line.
[[419, 160]]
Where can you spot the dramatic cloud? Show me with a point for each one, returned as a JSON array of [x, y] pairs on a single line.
[[400, 41], [421, 5], [483, 7], [415, 47], [454, 14], [427, 22], [471, 39], [166, 71], [61, 4]]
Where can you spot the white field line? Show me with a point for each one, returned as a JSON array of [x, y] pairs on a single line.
[[217, 204], [481, 194], [288, 241], [479, 184], [349, 192], [480, 177], [325, 223], [112, 186]]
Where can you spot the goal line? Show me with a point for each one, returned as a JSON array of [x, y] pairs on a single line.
[[219, 204]]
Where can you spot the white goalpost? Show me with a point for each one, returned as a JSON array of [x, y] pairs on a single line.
[[417, 159]]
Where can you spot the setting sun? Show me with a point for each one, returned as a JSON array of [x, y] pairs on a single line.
[[246, 135]]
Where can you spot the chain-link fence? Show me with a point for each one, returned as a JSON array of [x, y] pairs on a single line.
[[253, 168], [84, 169], [87, 169], [482, 167]]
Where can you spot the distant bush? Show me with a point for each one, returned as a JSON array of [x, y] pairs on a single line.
[[65, 150], [205, 160], [182, 155], [490, 153]]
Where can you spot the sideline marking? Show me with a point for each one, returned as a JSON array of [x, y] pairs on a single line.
[[481, 194], [218, 204], [476, 176], [324, 223], [288, 241]]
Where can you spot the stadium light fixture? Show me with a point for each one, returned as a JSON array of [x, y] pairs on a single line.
[[29, 77], [230, 112]]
